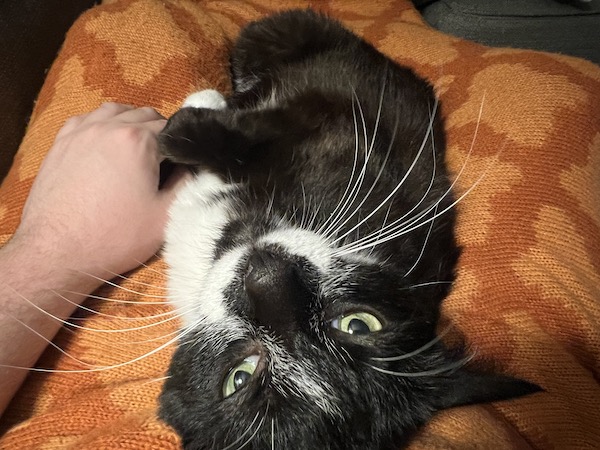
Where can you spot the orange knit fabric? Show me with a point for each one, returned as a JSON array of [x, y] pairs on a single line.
[[523, 127]]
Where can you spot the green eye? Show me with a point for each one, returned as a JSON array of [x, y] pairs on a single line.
[[357, 323], [240, 375]]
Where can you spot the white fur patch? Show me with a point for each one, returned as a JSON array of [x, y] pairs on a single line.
[[213, 304], [300, 378], [303, 243], [197, 218], [208, 98]]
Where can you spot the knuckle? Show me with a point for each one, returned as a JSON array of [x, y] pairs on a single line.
[[131, 134]]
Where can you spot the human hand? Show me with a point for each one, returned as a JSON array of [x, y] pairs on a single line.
[[95, 205]]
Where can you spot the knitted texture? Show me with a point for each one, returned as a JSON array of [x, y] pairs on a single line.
[[523, 138]]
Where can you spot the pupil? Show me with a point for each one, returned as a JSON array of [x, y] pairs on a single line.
[[357, 326], [240, 378]]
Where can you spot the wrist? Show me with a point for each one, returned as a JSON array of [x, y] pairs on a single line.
[[35, 264]]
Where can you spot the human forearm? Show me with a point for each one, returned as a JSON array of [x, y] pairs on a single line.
[[32, 281], [94, 210]]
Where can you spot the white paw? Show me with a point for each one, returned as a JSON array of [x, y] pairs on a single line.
[[208, 98]]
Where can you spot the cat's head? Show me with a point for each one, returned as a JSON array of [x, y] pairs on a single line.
[[290, 342]]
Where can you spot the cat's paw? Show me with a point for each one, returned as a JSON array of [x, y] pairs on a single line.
[[208, 98]]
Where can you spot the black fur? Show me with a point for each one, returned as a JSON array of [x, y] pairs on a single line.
[[298, 148]]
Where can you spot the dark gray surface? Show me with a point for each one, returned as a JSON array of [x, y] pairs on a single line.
[[569, 27]]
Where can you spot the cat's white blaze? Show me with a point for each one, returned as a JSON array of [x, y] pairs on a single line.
[[208, 98], [301, 378], [215, 284], [300, 242], [197, 218]]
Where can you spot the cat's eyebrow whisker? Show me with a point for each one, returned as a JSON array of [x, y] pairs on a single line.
[[418, 351], [335, 351], [427, 373]]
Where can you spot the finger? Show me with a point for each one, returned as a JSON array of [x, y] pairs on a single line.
[[71, 124], [137, 115], [106, 111], [155, 126]]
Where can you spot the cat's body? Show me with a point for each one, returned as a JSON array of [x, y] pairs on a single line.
[[311, 253]]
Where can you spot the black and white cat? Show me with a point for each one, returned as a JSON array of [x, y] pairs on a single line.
[[311, 252]]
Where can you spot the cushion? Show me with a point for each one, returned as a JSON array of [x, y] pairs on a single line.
[[523, 138]]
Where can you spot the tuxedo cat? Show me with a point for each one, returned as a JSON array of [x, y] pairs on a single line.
[[310, 254]]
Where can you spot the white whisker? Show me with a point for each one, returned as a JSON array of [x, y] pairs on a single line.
[[426, 373], [114, 300], [396, 229], [99, 313], [182, 333], [110, 283], [401, 182], [422, 248], [50, 343], [421, 349]]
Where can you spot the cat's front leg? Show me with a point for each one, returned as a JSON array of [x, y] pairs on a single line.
[[199, 134], [205, 134]]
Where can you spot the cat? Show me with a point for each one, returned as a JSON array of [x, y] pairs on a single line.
[[310, 254]]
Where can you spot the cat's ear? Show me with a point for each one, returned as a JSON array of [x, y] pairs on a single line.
[[466, 388]]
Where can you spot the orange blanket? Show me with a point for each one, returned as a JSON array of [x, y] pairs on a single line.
[[528, 291]]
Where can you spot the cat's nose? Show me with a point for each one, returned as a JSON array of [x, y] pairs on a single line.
[[274, 291]]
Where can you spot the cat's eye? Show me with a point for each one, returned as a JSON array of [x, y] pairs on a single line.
[[357, 323], [239, 376]]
